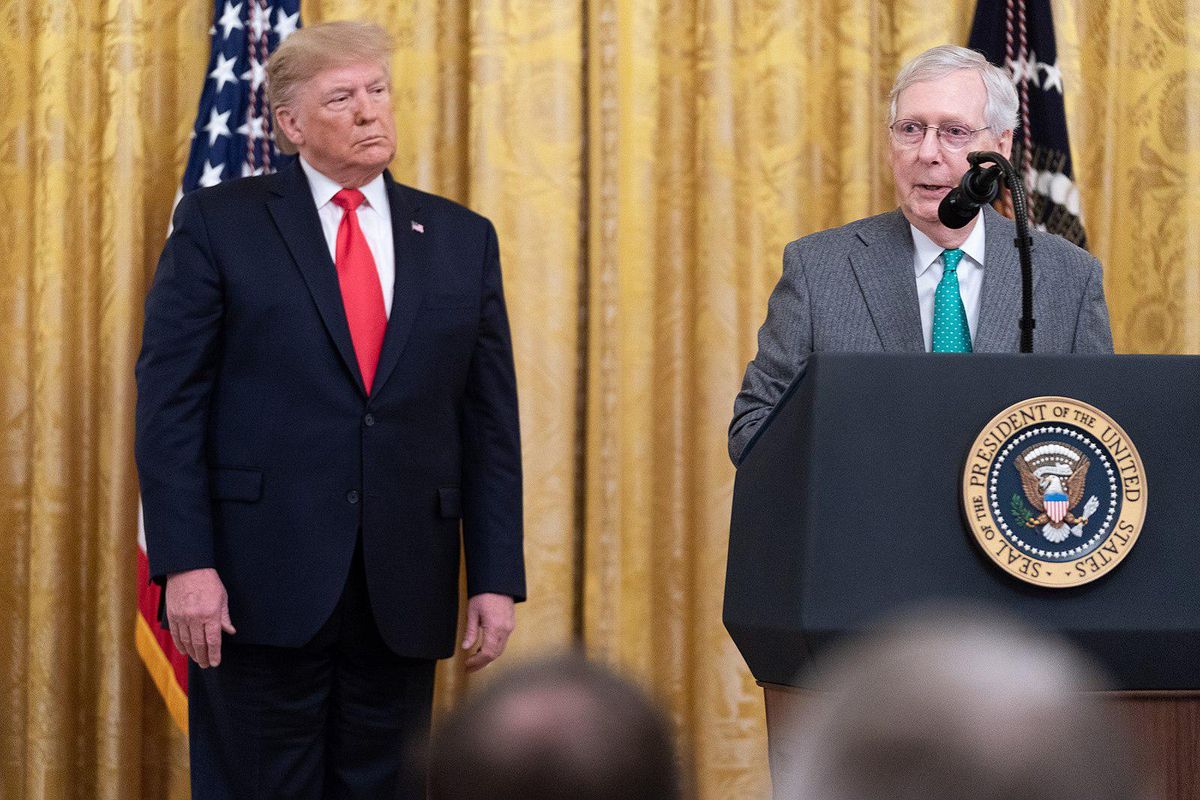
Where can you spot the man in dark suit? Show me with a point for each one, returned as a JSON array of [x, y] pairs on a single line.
[[325, 389], [902, 281]]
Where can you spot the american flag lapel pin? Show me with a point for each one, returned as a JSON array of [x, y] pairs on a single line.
[[418, 227]]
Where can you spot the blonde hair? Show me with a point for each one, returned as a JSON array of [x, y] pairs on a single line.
[[309, 51]]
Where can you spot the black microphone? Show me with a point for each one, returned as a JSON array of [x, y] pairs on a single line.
[[978, 188]]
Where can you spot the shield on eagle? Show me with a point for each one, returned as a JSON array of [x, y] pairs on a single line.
[[1053, 475], [1056, 506]]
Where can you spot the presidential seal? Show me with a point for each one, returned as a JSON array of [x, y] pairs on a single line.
[[1054, 491]]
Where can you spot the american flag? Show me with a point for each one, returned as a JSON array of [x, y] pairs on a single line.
[[232, 138], [1019, 34]]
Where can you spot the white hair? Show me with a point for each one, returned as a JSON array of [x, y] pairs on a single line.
[[1000, 107]]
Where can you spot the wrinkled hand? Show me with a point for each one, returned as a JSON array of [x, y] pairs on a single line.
[[197, 612], [490, 620]]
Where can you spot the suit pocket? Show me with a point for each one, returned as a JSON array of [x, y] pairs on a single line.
[[235, 483], [450, 502]]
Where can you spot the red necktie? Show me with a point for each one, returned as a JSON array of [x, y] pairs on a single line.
[[361, 293]]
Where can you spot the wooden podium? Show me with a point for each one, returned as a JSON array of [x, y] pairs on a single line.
[[863, 446]]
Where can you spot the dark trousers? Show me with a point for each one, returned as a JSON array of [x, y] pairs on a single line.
[[341, 717]]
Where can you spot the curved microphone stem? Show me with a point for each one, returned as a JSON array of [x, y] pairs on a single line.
[[1023, 242]]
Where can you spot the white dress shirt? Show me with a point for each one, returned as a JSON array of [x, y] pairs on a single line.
[[929, 268], [374, 217]]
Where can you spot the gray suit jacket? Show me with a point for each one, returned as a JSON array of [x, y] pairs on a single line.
[[852, 289]]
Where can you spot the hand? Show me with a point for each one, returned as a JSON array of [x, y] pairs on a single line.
[[197, 612], [490, 620]]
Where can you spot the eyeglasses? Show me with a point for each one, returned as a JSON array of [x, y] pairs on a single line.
[[952, 135]]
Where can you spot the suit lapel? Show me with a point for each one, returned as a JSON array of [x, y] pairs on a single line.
[[295, 216], [884, 270], [412, 265], [1000, 297]]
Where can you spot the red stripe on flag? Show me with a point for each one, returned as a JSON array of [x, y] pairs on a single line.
[[167, 666]]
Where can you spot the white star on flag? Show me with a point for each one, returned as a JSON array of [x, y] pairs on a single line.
[[257, 74], [218, 126], [223, 73], [212, 174], [260, 21], [1053, 79], [231, 18], [1031, 71], [285, 24], [1026, 68], [252, 128]]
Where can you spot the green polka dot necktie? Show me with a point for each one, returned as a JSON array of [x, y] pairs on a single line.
[[950, 331]]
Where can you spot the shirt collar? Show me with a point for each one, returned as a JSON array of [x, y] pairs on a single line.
[[929, 251], [324, 188]]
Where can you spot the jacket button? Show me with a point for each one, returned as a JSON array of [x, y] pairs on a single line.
[[369, 420], [352, 496]]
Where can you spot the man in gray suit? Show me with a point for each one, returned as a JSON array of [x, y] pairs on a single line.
[[903, 282]]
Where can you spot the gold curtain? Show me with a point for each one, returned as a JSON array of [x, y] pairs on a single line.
[[644, 162]]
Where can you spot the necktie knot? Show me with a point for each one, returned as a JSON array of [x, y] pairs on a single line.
[[951, 258], [349, 199]]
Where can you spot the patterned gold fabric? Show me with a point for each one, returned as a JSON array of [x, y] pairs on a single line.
[[1135, 137], [644, 163]]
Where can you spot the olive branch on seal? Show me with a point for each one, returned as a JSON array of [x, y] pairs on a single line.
[[1019, 510]]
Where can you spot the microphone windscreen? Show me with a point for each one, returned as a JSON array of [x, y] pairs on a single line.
[[956, 210]]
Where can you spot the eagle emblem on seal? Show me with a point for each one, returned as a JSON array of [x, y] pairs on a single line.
[[1053, 476]]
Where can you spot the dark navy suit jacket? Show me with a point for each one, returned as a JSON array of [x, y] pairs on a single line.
[[260, 453]]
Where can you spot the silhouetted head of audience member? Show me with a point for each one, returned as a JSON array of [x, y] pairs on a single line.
[[960, 704], [556, 729]]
